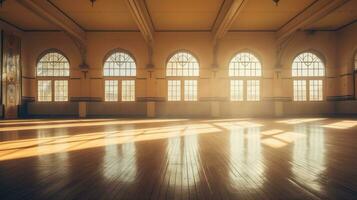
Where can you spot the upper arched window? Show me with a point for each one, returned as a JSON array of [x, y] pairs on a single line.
[[245, 64], [119, 64], [308, 64], [53, 64], [182, 64]]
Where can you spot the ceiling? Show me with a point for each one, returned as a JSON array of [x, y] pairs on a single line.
[[104, 15], [265, 15], [183, 14], [341, 16], [175, 15], [23, 18]]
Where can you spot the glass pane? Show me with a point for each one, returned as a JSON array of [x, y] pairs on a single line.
[[182, 64], [119, 64], [174, 90], [61, 90], [128, 90], [253, 90], [44, 90], [53, 64], [308, 64], [236, 90], [300, 90], [245, 64], [111, 90], [315, 90], [190, 90]]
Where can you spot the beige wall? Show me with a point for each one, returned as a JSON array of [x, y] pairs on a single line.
[[346, 49], [334, 47]]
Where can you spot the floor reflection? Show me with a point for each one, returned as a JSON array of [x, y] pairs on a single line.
[[53, 165], [246, 159], [308, 163], [120, 162], [183, 166]]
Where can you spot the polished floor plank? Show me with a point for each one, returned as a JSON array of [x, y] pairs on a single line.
[[236, 158]]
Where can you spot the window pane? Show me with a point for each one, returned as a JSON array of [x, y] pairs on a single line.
[[245, 64], [128, 90], [174, 90], [308, 64], [315, 90], [111, 90], [300, 90], [190, 90], [182, 64], [44, 90], [53, 64], [253, 90], [120, 64], [236, 90], [61, 90]]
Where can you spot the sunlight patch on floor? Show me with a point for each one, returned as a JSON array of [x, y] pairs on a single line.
[[346, 124]]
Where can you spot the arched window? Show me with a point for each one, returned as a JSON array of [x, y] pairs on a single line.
[[52, 69], [308, 71], [119, 71], [182, 64], [245, 71]]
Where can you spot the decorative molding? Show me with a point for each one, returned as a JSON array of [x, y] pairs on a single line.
[[285, 99], [27, 77], [213, 99], [26, 99], [150, 99], [86, 99], [340, 98]]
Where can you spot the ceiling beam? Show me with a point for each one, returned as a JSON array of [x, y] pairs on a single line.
[[227, 15], [142, 18], [313, 13], [45, 10]]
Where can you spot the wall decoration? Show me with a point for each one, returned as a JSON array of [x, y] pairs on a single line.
[[11, 75]]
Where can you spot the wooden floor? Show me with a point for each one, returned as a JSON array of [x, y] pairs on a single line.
[[243, 158]]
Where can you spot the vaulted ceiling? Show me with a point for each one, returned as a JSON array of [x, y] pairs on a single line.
[[176, 15]]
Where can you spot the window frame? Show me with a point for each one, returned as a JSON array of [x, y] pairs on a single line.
[[182, 78], [119, 77], [245, 78], [308, 78], [52, 78]]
